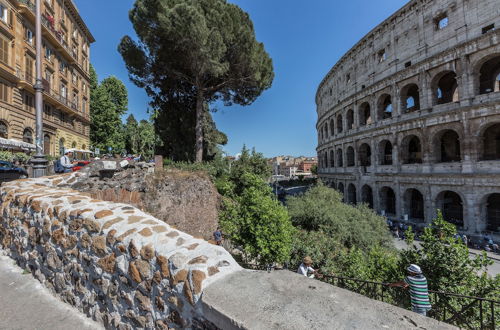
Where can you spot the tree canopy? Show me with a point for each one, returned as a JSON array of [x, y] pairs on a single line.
[[196, 52]]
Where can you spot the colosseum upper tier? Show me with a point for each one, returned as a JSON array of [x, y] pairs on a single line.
[[409, 118]]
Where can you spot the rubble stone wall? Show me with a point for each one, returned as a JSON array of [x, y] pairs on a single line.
[[115, 263]]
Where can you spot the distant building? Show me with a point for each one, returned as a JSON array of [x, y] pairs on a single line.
[[291, 167]]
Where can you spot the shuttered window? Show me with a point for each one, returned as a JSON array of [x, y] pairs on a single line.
[[4, 92], [4, 50]]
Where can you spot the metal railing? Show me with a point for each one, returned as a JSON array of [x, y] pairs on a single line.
[[466, 312]]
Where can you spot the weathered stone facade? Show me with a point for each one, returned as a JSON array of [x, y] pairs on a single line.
[[115, 263], [409, 118]]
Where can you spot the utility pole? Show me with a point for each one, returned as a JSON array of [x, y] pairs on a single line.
[[39, 162]]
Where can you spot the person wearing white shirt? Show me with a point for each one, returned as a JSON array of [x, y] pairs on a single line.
[[66, 162], [305, 268]]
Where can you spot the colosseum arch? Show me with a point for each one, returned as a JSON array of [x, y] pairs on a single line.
[[350, 157], [451, 205], [364, 114], [385, 152], [339, 123], [445, 88], [446, 146], [414, 205], [351, 194], [350, 119], [384, 106], [491, 142], [340, 161], [367, 195], [365, 155], [340, 188], [410, 98], [332, 158], [411, 150], [332, 127], [388, 201], [492, 205], [326, 130], [489, 75]]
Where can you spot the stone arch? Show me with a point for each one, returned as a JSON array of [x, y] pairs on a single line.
[[28, 135], [410, 98], [4, 129], [73, 144], [388, 201], [445, 88], [491, 142], [339, 123], [332, 158], [367, 195], [411, 150], [350, 157], [365, 155], [414, 205], [446, 145], [489, 74], [332, 127], [385, 152], [384, 106], [340, 188], [340, 161], [351, 194], [350, 119], [364, 114], [492, 206], [451, 205]]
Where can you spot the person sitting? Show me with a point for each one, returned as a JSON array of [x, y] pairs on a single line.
[[306, 269], [66, 162]]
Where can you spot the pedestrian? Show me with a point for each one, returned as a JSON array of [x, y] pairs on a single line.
[[419, 293], [306, 269], [493, 245], [65, 161], [465, 239], [218, 236]]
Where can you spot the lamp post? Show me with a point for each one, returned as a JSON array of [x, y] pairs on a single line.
[[39, 162]]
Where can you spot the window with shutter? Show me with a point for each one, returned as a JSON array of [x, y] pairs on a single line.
[[4, 50]]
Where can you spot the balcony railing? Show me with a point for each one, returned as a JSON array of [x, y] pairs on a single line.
[[28, 4]]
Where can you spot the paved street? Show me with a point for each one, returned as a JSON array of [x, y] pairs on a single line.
[[26, 304], [492, 270]]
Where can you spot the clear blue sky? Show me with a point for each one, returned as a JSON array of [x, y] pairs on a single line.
[[304, 39]]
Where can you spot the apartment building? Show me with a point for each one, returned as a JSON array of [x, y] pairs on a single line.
[[65, 67]]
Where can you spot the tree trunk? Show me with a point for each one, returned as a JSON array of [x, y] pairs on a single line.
[[199, 127]]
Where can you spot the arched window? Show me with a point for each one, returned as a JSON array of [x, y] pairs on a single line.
[[412, 150], [446, 88], [350, 119], [364, 114], [385, 152], [449, 147], [384, 107], [351, 194], [61, 147], [332, 158], [493, 212], [410, 98], [365, 155], [4, 133], [340, 188], [350, 157], [489, 76], [326, 130], [450, 204], [388, 201], [340, 162], [73, 145], [28, 135], [414, 205], [46, 144], [367, 195], [332, 127], [339, 124], [491, 143]]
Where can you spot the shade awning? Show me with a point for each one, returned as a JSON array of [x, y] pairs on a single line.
[[16, 144]]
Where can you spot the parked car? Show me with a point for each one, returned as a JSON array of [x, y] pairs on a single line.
[[9, 171], [78, 166]]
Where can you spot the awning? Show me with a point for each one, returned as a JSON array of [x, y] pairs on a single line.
[[79, 150], [16, 144]]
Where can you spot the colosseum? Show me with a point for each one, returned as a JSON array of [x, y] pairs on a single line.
[[409, 118]]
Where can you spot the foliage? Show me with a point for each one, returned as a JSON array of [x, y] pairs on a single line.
[[250, 162], [147, 139], [314, 169], [131, 132], [195, 52], [108, 102], [21, 157]]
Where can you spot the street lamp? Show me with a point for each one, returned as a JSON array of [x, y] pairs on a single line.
[[39, 162]]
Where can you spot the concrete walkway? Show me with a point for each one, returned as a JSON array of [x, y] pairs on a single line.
[[26, 304]]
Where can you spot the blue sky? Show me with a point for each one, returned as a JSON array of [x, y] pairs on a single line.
[[304, 39]]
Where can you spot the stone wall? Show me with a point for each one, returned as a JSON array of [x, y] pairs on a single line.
[[115, 263]]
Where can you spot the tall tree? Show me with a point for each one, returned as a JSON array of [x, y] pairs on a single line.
[[200, 49], [131, 135], [147, 138], [108, 102]]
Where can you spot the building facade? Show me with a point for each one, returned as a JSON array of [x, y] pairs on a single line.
[[66, 79], [409, 118]]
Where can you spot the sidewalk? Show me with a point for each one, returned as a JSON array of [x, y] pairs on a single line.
[[26, 304]]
